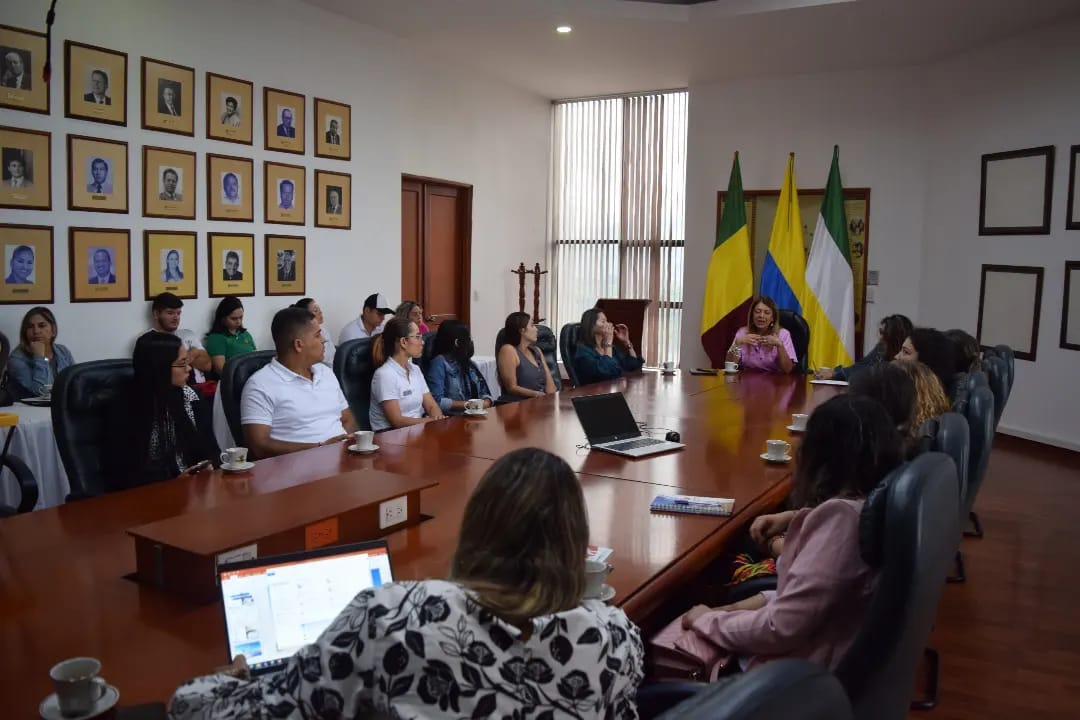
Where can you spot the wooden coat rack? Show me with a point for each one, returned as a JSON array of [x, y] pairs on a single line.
[[536, 272]]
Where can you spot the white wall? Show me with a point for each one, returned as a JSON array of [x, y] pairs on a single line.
[[407, 118]]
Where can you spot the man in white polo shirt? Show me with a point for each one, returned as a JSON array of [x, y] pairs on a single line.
[[295, 402], [370, 322]]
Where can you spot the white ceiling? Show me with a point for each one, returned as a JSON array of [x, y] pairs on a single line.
[[619, 46]]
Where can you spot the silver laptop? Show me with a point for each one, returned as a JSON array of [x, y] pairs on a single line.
[[610, 426], [276, 605]]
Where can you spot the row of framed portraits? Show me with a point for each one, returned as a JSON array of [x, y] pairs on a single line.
[[99, 264], [95, 89], [97, 181]]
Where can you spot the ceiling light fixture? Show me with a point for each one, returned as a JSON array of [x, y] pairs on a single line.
[[563, 29]]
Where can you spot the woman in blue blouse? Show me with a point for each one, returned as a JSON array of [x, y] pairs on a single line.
[[604, 351], [453, 377], [38, 359], [891, 334]]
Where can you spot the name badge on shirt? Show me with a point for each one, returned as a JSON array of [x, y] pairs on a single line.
[[407, 393]]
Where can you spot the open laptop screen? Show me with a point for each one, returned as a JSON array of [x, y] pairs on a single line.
[[276, 605], [606, 418]]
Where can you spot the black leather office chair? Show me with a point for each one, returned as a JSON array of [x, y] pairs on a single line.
[[20, 473], [545, 343], [796, 324], [568, 338], [234, 375], [980, 417], [996, 372], [908, 531], [1006, 353], [354, 368], [789, 689], [429, 350], [950, 434], [82, 400]]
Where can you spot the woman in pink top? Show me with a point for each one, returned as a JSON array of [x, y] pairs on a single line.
[[824, 587], [763, 345]]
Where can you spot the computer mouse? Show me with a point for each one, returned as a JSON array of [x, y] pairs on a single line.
[[673, 436]]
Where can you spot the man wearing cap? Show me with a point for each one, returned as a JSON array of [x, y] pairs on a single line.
[[370, 322]]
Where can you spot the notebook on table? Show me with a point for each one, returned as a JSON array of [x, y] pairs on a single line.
[[610, 426], [276, 605], [693, 504]]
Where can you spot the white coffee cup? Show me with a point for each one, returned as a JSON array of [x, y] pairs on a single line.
[[474, 404], [731, 366], [365, 439], [667, 367], [234, 456], [595, 574], [777, 449], [798, 420], [77, 684]]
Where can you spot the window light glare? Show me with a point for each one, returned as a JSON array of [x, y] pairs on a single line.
[[563, 29]]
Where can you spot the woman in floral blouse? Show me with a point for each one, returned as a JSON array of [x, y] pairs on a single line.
[[507, 636]]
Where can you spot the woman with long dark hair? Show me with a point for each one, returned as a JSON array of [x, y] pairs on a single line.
[[891, 334], [522, 370], [934, 350], [227, 337], [34, 364], [604, 350], [453, 377]]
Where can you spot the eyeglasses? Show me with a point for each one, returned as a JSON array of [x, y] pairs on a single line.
[[184, 364], [417, 336]]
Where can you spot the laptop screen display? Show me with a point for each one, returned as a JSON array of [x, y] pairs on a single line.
[[606, 418], [273, 608]]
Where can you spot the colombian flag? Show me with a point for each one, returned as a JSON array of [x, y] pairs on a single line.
[[784, 276]]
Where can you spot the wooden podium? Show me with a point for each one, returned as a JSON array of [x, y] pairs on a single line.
[[630, 313], [181, 554]]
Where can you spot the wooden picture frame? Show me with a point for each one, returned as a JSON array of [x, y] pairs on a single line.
[[168, 97], [1070, 307], [226, 251], [1005, 293], [169, 183], [333, 130], [1072, 200], [88, 188], [33, 150], [230, 109], [28, 270], [91, 73], [284, 120], [326, 184], [286, 265], [99, 264], [284, 193], [1016, 192], [170, 263], [224, 173], [21, 86]]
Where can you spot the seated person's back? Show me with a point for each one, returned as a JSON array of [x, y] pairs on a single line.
[[604, 351]]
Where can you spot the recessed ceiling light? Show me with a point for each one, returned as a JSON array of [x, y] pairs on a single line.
[[563, 29]]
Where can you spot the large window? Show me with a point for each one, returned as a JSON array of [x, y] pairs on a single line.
[[618, 212]]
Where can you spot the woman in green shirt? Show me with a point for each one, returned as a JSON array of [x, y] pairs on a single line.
[[227, 336]]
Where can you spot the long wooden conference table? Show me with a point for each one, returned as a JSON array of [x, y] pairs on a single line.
[[66, 590]]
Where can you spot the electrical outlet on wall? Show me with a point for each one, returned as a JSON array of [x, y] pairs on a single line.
[[393, 512]]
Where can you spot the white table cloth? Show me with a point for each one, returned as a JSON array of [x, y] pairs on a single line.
[[35, 444]]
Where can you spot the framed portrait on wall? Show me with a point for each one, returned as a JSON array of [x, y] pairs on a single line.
[[97, 174], [171, 260], [333, 200], [333, 129], [168, 178], [285, 200], [22, 60], [27, 169], [231, 264], [168, 97], [284, 121], [1072, 200], [229, 109], [1010, 305], [286, 265], [95, 81], [99, 262], [229, 188], [1015, 192], [28, 264], [1070, 307]]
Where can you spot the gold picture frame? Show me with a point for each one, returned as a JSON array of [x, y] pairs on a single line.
[[99, 264], [169, 183], [28, 264], [327, 214], [31, 153], [333, 130], [22, 61], [235, 252], [168, 97], [284, 121], [170, 263], [95, 83], [286, 265], [229, 188], [285, 193], [97, 174], [229, 109]]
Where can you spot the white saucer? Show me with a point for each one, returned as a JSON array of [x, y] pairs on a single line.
[[669, 373], [792, 428], [768, 458], [50, 706], [363, 451], [730, 372], [237, 467], [476, 413], [606, 593]]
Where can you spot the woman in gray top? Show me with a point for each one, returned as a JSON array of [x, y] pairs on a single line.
[[522, 371]]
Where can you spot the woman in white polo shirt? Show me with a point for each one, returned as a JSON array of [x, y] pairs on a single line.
[[399, 393]]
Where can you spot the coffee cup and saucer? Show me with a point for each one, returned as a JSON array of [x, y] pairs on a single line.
[[731, 367], [364, 442], [80, 693], [595, 587], [798, 422], [667, 368], [776, 451], [235, 460], [475, 407]]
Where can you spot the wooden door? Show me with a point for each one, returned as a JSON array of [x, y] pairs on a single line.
[[436, 247]]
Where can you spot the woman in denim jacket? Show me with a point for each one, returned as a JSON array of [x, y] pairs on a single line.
[[453, 377], [38, 359]]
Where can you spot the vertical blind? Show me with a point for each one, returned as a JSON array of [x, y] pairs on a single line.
[[618, 211]]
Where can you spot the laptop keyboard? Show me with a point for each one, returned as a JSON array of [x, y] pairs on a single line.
[[635, 444]]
